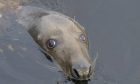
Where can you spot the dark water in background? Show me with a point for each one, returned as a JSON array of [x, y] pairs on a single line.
[[113, 27]]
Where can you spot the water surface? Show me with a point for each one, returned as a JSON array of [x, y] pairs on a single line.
[[113, 28]]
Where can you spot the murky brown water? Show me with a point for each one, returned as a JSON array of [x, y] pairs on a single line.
[[113, 28]]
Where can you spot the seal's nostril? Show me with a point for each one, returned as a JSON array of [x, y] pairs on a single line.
[[75, 73], [81, 71]]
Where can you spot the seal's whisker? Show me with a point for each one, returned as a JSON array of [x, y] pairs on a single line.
[[94, 61], [93, 66]]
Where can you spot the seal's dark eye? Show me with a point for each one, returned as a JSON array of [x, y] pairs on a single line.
[[51, 43], [83, 37]]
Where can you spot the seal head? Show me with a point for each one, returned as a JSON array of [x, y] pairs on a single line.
[[63, 39]]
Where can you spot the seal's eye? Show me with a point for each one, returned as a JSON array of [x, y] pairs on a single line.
[[51, 43], [83, 38]]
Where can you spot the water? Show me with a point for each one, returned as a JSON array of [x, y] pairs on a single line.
[[113, 30]]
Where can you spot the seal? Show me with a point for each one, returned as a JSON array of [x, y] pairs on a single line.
[[62, 38]]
